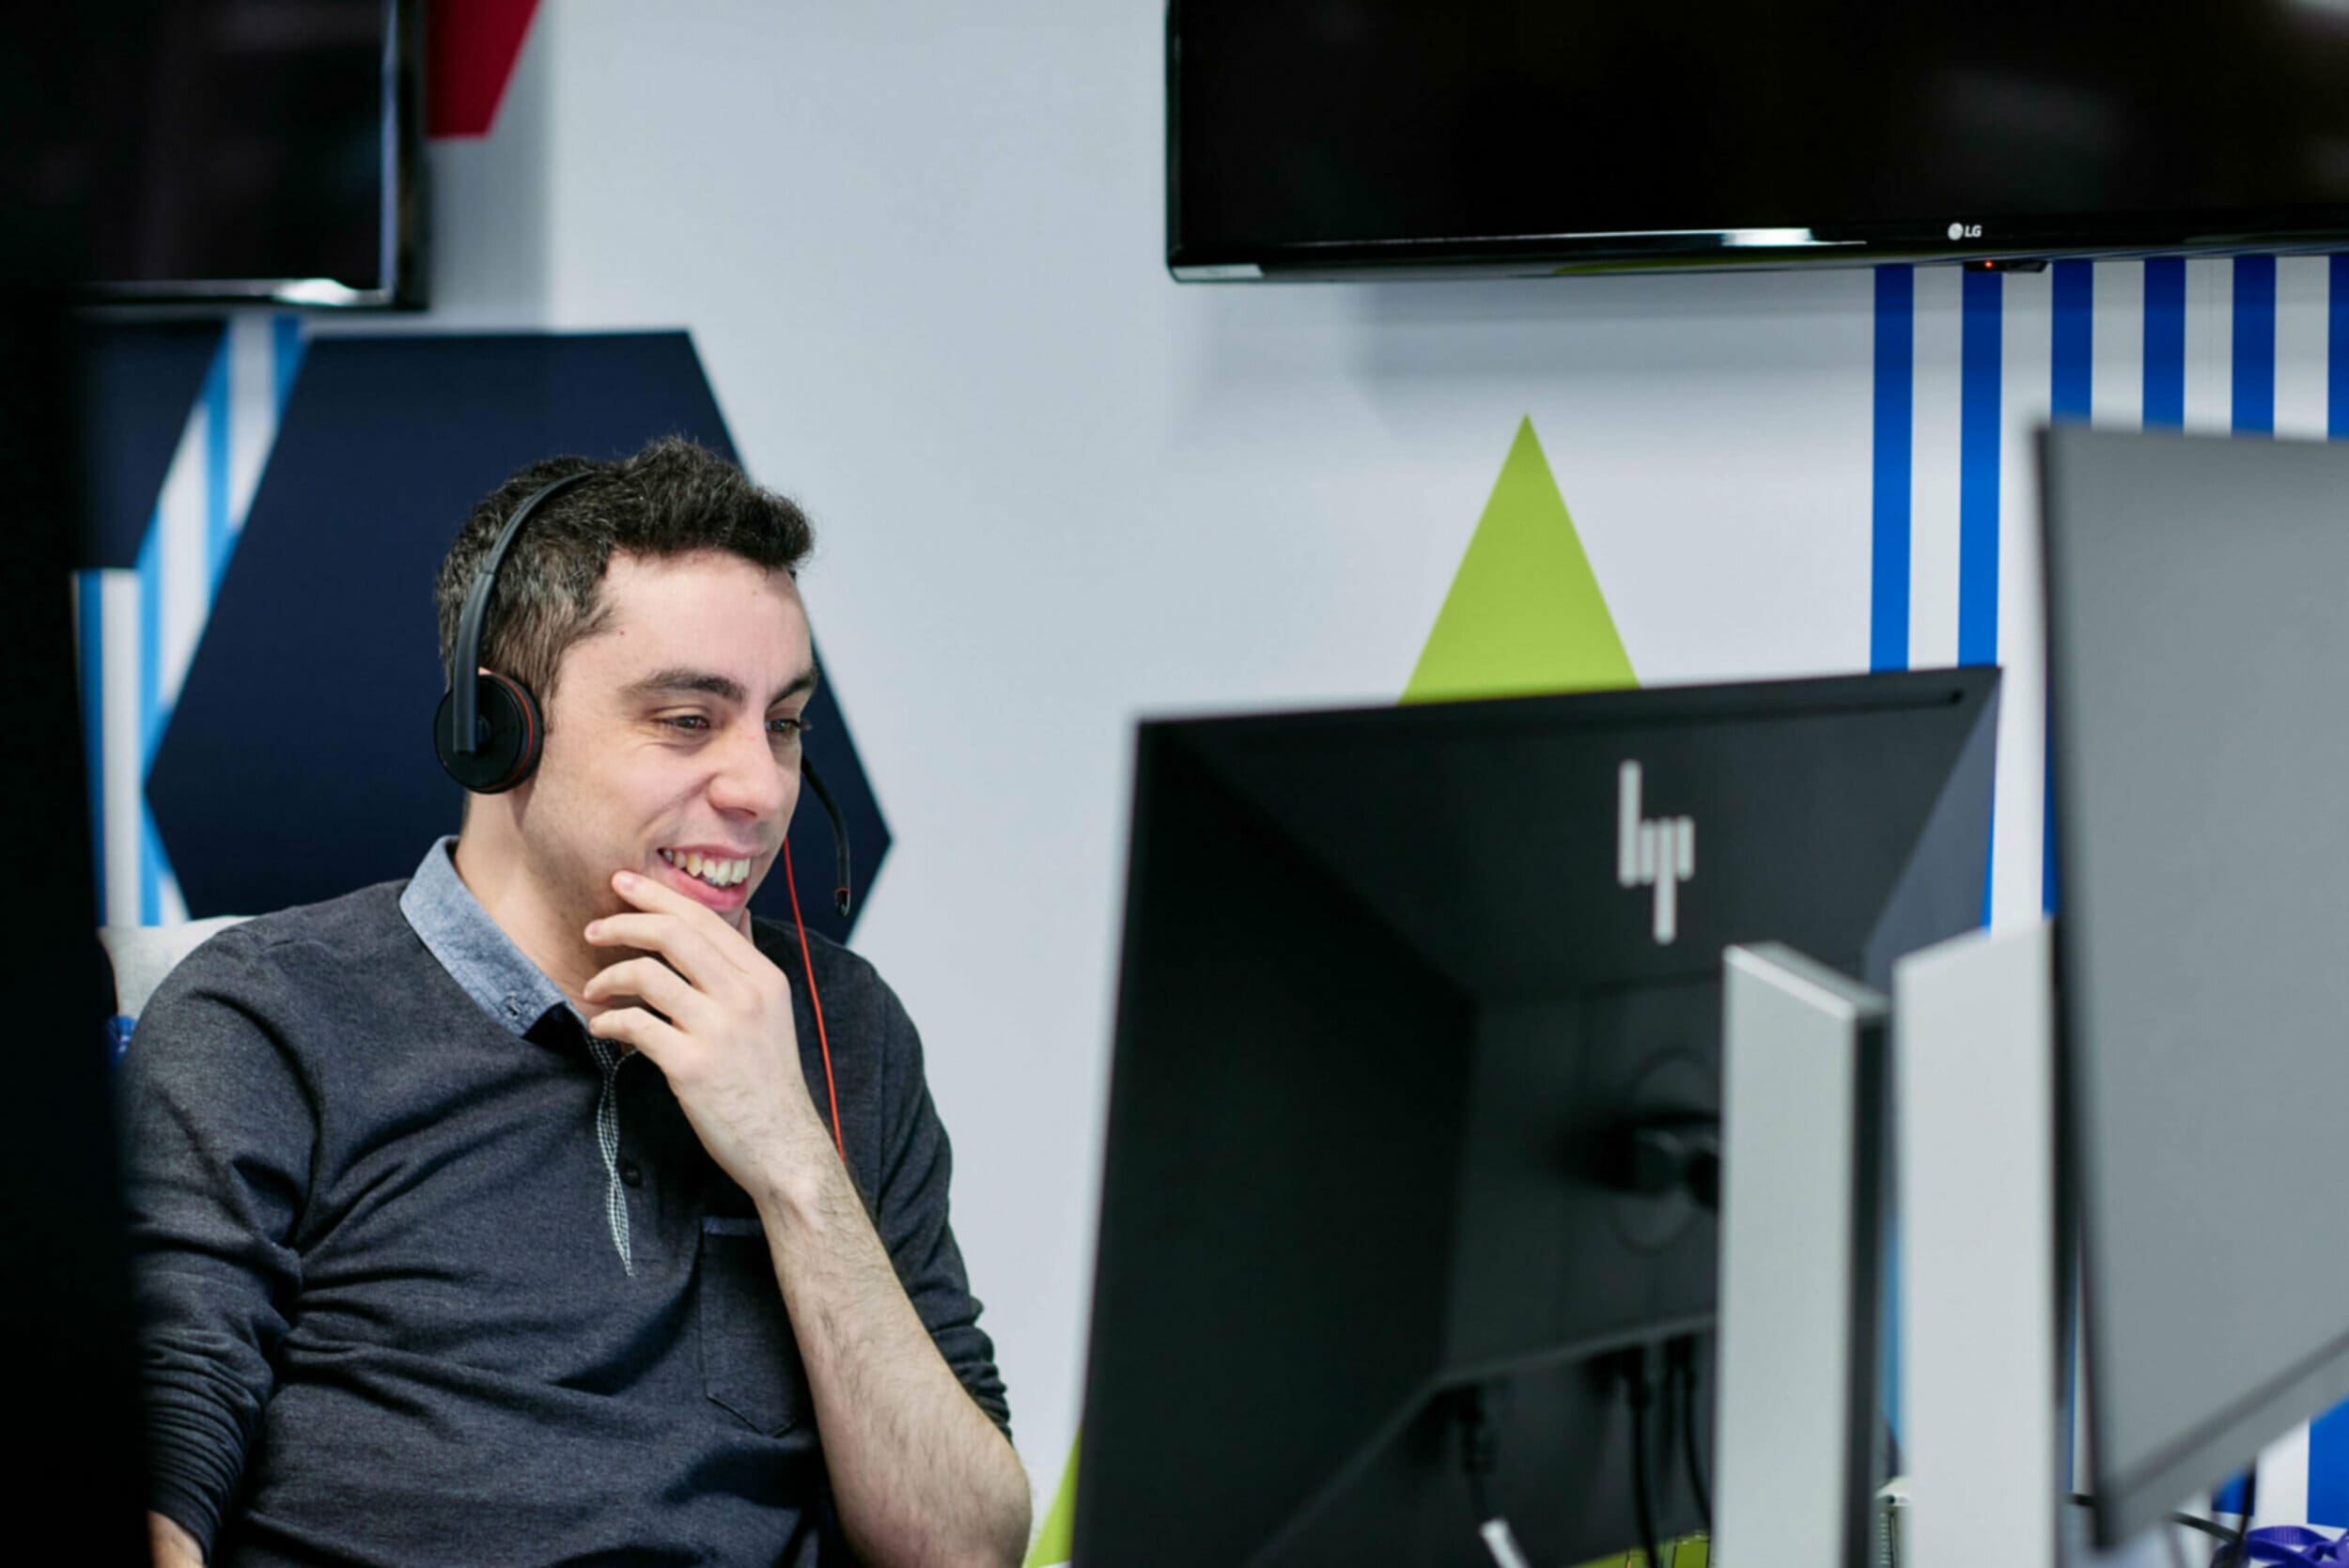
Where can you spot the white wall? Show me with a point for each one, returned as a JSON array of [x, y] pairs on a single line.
[[919, 255]]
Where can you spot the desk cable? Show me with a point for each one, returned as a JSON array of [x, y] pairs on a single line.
[[1479, 1455], [1640, 1393], [1680, 1374]]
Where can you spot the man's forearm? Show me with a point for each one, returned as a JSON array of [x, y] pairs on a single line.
[[171, 1546], [921, 1475]]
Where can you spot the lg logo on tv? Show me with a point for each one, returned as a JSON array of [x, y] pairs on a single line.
[[1964, 231], [1658, 852]]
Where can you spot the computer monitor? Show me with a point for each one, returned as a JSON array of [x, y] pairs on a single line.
[[1396, 985], [2197, 652], [75, 1431]]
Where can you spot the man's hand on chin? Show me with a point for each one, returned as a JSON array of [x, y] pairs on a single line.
[[722, 1034]]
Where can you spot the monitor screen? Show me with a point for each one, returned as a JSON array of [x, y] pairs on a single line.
[[1323, 132], [74, 1397], [264, 151]]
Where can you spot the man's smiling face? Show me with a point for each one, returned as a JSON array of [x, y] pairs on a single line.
[[673, 737]]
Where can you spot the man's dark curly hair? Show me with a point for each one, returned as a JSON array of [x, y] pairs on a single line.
[[673, 498]]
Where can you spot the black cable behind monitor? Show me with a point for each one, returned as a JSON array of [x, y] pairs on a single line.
[[1479, 1457], [1476, 1452], [1680, 1369], [1640, 1393]]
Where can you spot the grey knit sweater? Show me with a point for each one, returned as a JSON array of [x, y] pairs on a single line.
[[430, 1275]]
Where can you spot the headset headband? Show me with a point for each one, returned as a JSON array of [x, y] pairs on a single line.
[[466, 653]]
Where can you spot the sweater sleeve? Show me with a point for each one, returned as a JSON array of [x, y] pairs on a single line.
[[911, 1211], [219, 1131]]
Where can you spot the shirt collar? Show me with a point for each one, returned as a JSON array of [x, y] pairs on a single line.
[[473, 948]]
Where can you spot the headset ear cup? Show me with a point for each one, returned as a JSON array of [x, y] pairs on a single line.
[[510, 731]]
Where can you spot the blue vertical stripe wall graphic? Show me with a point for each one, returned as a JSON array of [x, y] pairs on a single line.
[[2254, 345], [140, 622], [1895, 419], [2329, 1445], [2165, 344], [1982, 402], [2232, 348], [2337, 351], [2069, 382]]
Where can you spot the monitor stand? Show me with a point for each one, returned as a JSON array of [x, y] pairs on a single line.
[[1803, 1119], [1981, 1403]]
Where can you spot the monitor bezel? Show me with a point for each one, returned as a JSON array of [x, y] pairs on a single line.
[[1985, 241], [401, 211]]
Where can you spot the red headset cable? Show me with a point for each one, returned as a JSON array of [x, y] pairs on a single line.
[[822, 1042]]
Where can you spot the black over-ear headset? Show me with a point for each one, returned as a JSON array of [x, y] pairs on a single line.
[[489, 730]]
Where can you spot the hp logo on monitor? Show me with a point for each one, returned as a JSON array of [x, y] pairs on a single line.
[[1658, 852]]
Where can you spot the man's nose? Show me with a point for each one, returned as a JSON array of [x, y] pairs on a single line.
[[751, 778]]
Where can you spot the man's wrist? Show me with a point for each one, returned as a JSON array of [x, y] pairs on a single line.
[[171, 1544], [801, 1191]]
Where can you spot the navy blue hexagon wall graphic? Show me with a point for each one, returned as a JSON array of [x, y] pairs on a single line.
[[297, 762]]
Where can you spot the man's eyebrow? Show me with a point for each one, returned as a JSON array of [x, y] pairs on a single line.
[[708, 683]]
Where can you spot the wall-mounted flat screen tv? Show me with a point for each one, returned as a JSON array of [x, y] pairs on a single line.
[[1336, 137], [262, 150]]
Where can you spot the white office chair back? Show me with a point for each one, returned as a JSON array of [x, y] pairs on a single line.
[[143, 954]]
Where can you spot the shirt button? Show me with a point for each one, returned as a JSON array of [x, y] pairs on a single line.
[[631, 1174]]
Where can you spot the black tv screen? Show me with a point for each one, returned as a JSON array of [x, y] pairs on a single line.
[[1329, 136], [259, 150]]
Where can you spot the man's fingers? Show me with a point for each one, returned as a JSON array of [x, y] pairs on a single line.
[[665, 1045], [695, 956], [649, 894], [652, 981]]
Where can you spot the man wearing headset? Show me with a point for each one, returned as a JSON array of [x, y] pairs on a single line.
[[545, 1207]]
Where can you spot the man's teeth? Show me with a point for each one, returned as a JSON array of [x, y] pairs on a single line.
[[717, 872]]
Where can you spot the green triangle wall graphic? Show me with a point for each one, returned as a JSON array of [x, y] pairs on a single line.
[[1057, 1538], [1525, 614]]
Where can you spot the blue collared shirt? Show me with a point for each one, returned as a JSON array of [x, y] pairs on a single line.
[[475, 949]]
